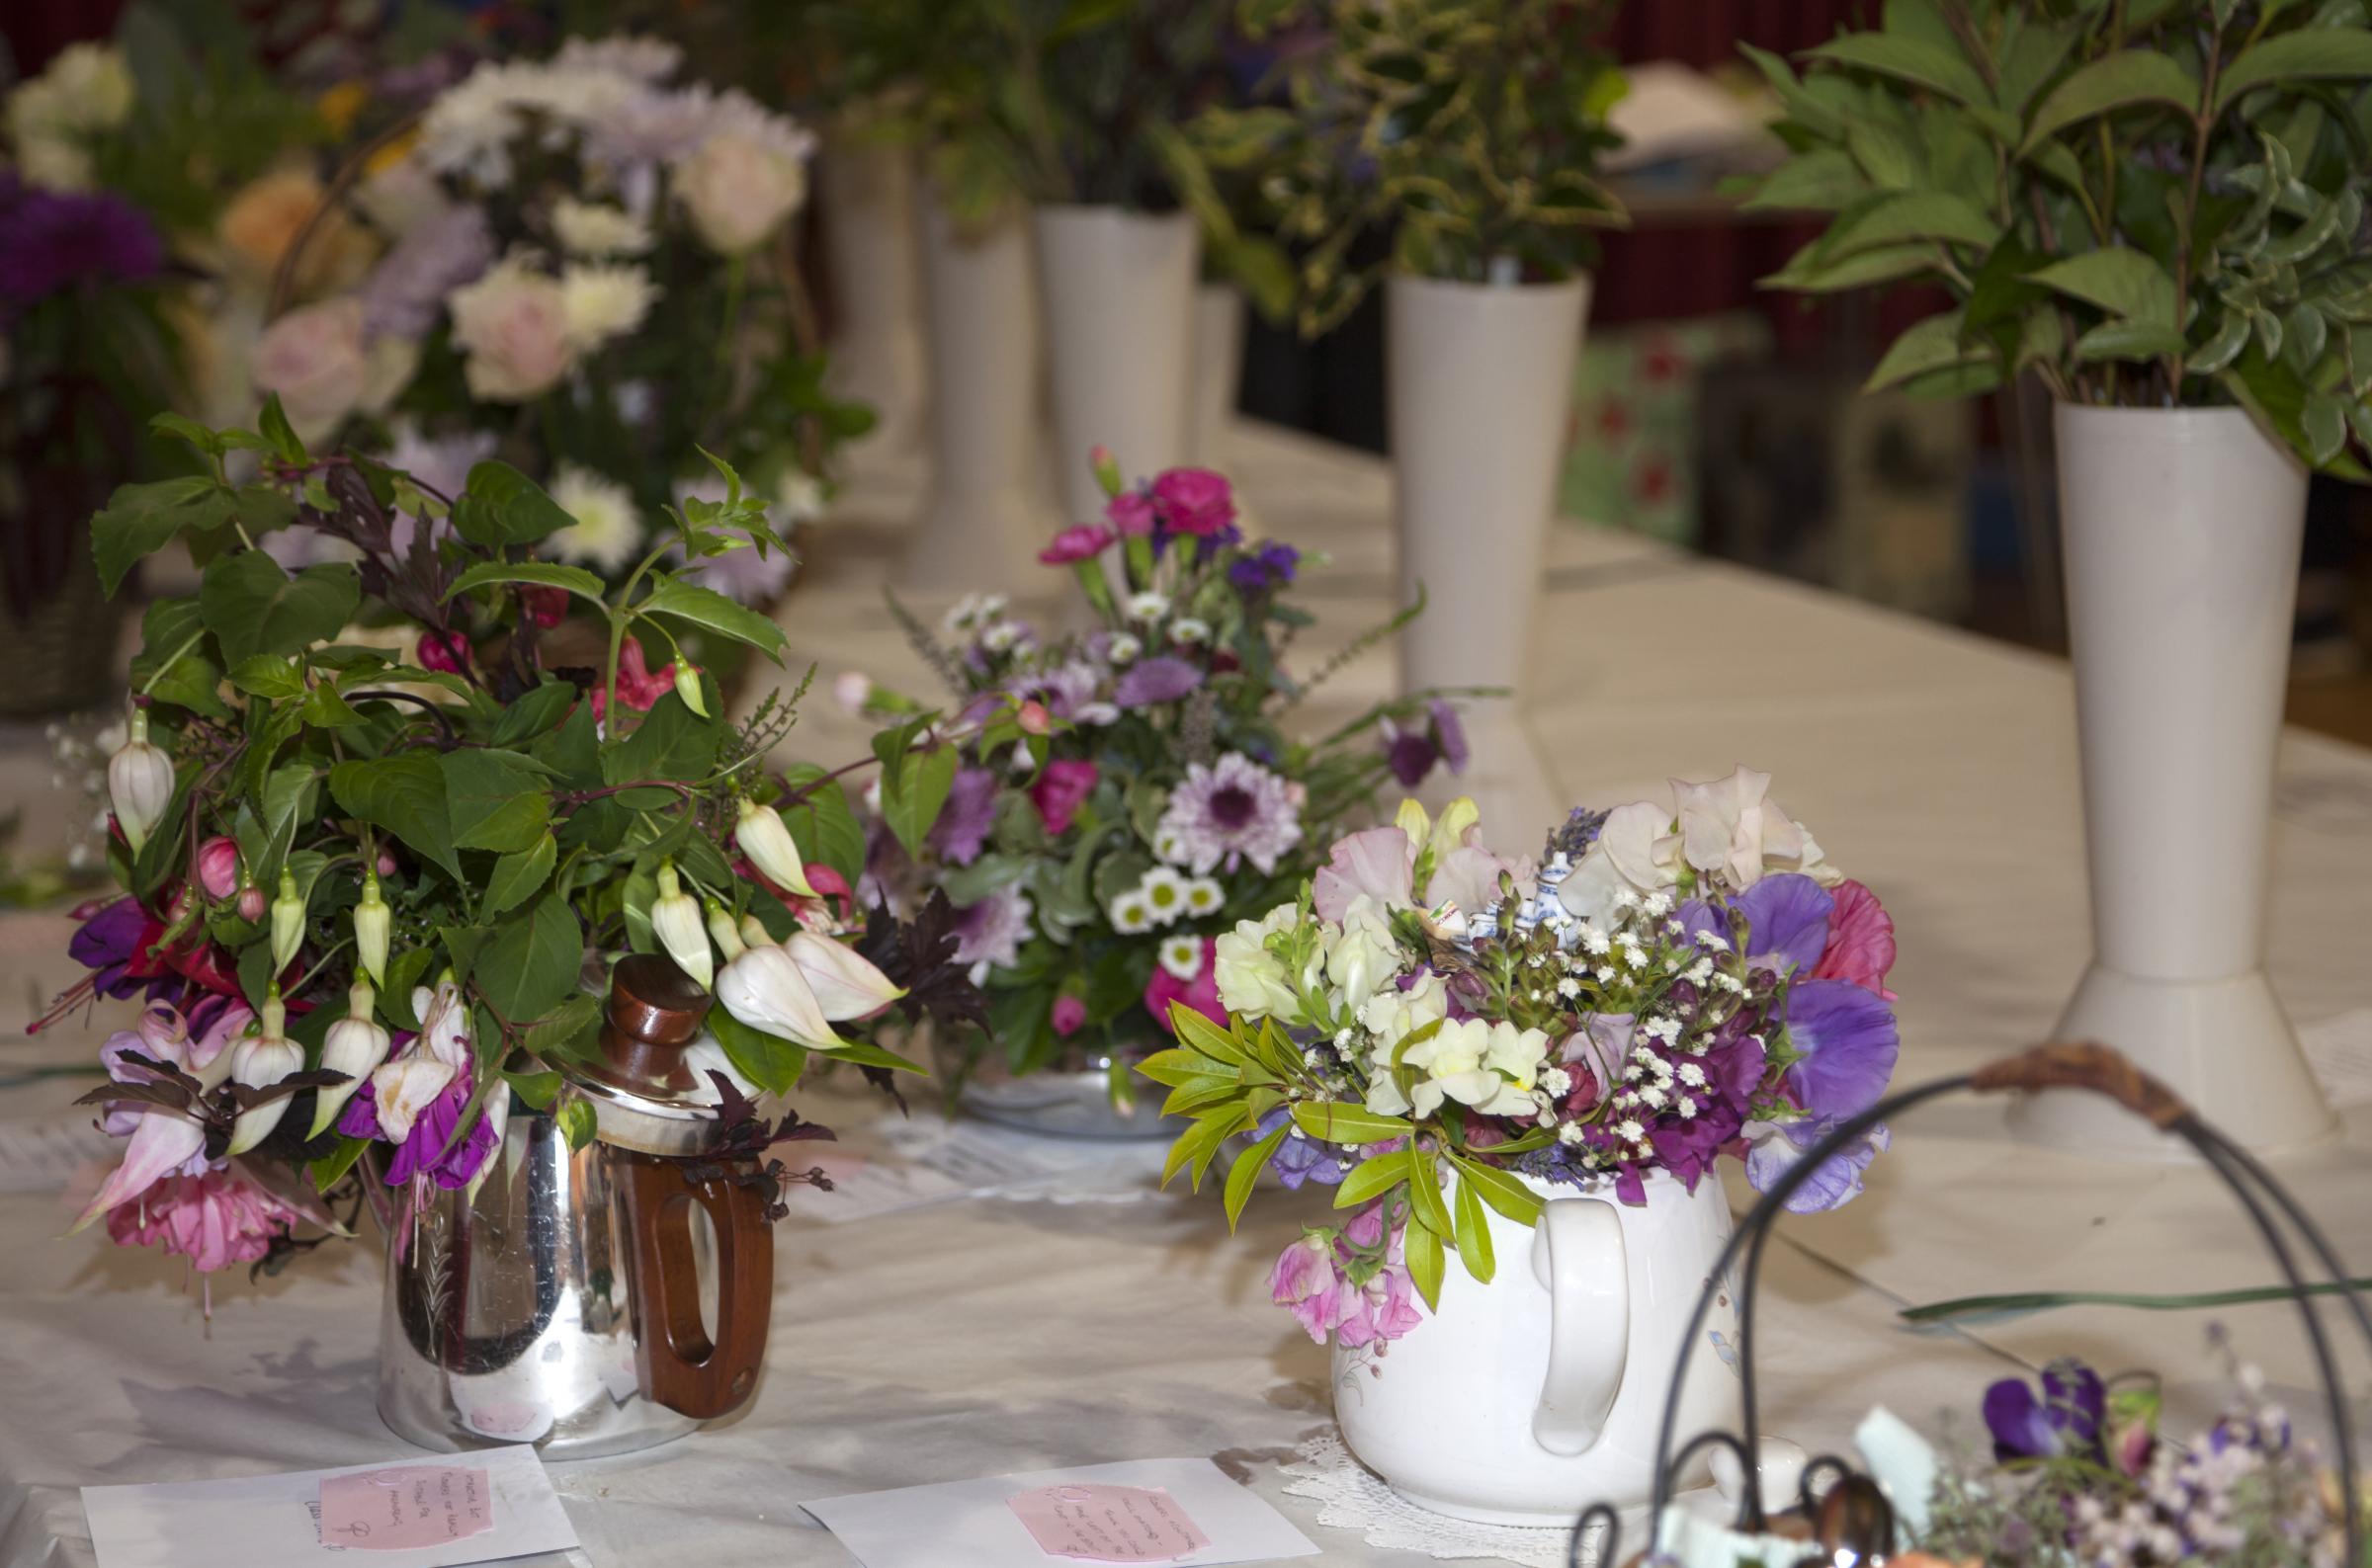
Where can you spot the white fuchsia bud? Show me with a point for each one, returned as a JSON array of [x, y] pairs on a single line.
[[763, 838], [288, 922], [766, 989], [139, 784], [721, 930], [259, 1061], [675, 922], [373, 924], [687, 687], [353, 1045]]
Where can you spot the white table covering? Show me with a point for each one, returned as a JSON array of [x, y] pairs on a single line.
[[986, 1336]]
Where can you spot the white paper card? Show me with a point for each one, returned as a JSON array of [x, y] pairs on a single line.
[[270, 1520], [969, 1525]]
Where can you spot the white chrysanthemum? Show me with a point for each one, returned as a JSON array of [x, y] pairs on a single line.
[[1228, 813], [607, 533], [1123, 648], [1164, 893], [1146, 606], [1129, 915], [1190, 630], [1182, 957], [633, 54], [469, 129], [1204, 895], [598, 304], [596, 230]]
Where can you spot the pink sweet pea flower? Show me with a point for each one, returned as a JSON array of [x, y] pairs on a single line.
[[1195, 500], [1380, 862], [1385, 1308], [1861, 941], [1083, 542], [1059, 792], [1306, 1278], [1131, 513], [1201, 993], [1070, 1014]]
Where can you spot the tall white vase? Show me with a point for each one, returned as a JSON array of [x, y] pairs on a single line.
[[1218, 368], [1480, 379], [1525, 1400], [982, 526], [877, 349], [2182, 529], [1119, 291]]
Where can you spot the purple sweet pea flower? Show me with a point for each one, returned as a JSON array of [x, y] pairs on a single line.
[[970, 813], [1838, 1180], [1848, 1041], [2067, 1419], [1270, 566], [1787, 922], [1159, 679], [50, 239], [1409, 754], [1300, 1159]]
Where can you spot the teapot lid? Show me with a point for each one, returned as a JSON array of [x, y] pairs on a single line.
[[645, 1092]]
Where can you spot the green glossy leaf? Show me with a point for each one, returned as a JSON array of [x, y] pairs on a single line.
[[531, 965], [1247, 1169], [1909, 60], [273, 424], [1198, 1034], [2306, 54], [1372, 1179], [1912, 215], [252, 607], [1925, 345], [141, 518], [578, 1121], [567, 1031], [1823, 180], [706, 607], [2122, 282], [1349, 1124], [173, 665], [537, 1089], [403, 793], [1423, 1248], [2130, 76], [1501, 1189], [1888, 157], [2324, 421], [533, 713], [541, 574], [272, 676], [771, 1062], [1196, 1147], [494, 801], [864, 1053], [326, 1171], [671, 742], [517, 878], [1810, 272], [1474, 1234], [911, 805], [1426, 1202], [503, 506], [2128, 340]]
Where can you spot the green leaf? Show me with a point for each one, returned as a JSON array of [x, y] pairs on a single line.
[[2324, 421], [403, 793], [911, 804], [516, 878], [1198, 1034], [2307, 54], [578, 1121], [1423, 1247], [273, 424], [494, 801], [1888, 157], [252, 607], [405, 970], [1501, 1191], [272, 676], [531, 965], [140, 518], [1823, 180], [671, 742], [864, 1053], [567, 1031], [1426, 1202], [2122, 282], [771, 1062], [1810, 272], [325, 708], [1474, 1234], [534, 712], [1372, 1179], [2128, 340], [1909, 60], [542, 574], [537, 1089], [1247, 1169], [1912, 215], [2130, 76], [503, 506], [1349, 1124], [704, 607], [326, 1171], [172, 665], [1925, 345], [1196, 1146]]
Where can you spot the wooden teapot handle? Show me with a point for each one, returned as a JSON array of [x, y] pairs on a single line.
[[680, 1367]]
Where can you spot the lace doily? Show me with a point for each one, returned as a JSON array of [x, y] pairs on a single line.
[[1350, 1495]]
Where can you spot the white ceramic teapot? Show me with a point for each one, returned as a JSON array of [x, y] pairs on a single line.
[[1525, 1400]]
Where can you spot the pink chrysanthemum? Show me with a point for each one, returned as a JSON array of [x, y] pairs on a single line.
[[1230, 811]]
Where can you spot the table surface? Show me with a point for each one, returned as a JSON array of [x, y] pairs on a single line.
[[994, 1335]]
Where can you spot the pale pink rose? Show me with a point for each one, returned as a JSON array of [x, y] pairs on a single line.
[[314, 357], [738, 189], [512, 324]]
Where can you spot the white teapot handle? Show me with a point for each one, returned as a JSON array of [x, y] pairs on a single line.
[[1578, 1253]]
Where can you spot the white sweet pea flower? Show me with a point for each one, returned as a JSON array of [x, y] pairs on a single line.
[[1361, 955], [1489, 1068], [1731, 826], [1252, 982], [1633, 854]]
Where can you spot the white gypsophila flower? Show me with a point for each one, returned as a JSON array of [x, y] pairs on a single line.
[[601, 302], [1123, 648], [1189, 631], [1556, 1082], [1147, 606], [596, 230], [1182, 957], [607, 531], [1204, 895], [1569, 1133], [1131, 915]]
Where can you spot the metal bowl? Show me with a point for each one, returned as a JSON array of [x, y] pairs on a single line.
[[1072, 1100]]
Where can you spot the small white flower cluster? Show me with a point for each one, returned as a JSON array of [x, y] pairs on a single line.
[[2208, 1499], [1162, 896], [1149, 609], [974, 613]]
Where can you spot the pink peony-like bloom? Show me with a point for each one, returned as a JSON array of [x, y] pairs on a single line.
[[1059, 792], [1861, 941], [215, 1220], [1307, 1280], [217, 863], [1131, 513], [1083, 542], [1200, 993], [1195, 500], [1070, 1014]]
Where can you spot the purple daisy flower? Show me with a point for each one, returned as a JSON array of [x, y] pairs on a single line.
[[992, 931], [1228, 813], [1159, 679]]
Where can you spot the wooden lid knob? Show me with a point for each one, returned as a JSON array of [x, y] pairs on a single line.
[[656, 1011]]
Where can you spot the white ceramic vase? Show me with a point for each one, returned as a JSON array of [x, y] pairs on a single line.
[[1218, 368], [1118, 292], [876, 350], [1525, 1400], [2183, 531], [1481, 380], [981, 525]]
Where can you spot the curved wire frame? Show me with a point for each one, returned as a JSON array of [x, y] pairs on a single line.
[[2094, 1068]]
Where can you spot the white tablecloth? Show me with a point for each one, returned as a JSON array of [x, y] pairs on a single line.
[[985, 1336]]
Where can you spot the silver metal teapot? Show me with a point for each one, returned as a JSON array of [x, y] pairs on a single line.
[[592, 1301]]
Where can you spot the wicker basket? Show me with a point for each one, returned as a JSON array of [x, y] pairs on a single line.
[[60, 655]]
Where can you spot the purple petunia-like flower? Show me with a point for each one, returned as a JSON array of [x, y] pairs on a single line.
[[1161, 679], [50, 239]]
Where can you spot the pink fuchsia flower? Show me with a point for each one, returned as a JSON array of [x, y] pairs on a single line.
[[216, 864], [215, 1219], [1059, 792], [1195, 501], [251, 903], [638, 686], [1306, 1278], [1069, 1016], [1131, 513], [1084, 542], [1861, 939], [447, 651], [545, 606], [1200, 993]]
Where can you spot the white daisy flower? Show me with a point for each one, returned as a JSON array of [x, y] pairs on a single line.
[[1146, 606], [1190, 630], [1182, 957], [1204, 895], [607, 533], [1001, 637], [1131, 916], [1124, 647], [1163, 890]]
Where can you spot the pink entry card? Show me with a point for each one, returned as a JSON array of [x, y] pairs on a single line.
[[399, 1509], [1094, 1523]]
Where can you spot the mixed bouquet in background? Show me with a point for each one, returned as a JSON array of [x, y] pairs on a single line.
[[1156, 797], [586, 272], [1434, 1029], [377, 843]]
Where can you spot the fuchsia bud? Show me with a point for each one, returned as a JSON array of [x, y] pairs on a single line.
[[251, 902], [1034, 718], [139, 784], [216, 864]]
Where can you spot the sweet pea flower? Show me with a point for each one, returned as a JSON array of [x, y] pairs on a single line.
[[2066, 1420], [1306, 1278], [1083, 541], [1861, 941], [1385, 1308]]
